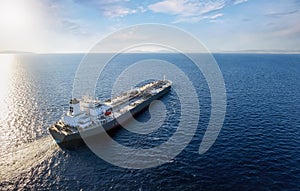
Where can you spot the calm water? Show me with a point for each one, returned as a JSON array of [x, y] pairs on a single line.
[[258, 147]]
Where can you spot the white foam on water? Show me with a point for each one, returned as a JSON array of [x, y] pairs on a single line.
[[25, 157]]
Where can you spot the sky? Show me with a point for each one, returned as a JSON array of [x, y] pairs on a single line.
[[43, 26]]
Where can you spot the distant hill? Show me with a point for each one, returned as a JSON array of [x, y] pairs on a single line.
[[15, 52], [262, 51]]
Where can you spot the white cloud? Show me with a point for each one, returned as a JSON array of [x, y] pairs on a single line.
[[112, 8], [195, 19], [239, 1], [186, 7], [118, 11], [173, 7], [216, 16], [191, 10], [141, 9], [279, 14]]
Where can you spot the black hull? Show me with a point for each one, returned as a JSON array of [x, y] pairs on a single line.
[[75, 140]]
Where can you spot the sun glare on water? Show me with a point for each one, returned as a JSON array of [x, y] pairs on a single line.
[[6, 62], [6, 67]]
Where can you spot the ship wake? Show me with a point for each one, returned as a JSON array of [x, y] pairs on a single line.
[[25, 157]]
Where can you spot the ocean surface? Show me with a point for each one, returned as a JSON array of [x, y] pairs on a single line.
[[258, 147]]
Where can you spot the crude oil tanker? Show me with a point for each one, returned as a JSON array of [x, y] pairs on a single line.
[[87, 115]]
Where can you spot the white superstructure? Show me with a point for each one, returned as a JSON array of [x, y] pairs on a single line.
[[86, 112]]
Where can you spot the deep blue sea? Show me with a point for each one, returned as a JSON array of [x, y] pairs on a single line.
[[258, 147]]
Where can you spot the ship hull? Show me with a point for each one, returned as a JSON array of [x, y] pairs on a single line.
[[75, 140]]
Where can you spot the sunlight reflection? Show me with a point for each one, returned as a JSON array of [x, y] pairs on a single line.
[[6, 62], [6, 69]]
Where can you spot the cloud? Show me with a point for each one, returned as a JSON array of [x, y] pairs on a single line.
[[76, 27], [191, 10], [186, 7], [112, 8], [283, 20], [216, 16], [195, 19], [288, 31], [278, 14], [62, 19], [239, 1], [118, 11], [173, 7]]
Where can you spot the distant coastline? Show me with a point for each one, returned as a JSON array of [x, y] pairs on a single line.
[[260, 52], [15, 52], [165, 52]]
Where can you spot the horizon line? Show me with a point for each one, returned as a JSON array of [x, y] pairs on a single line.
[[161, 52]]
